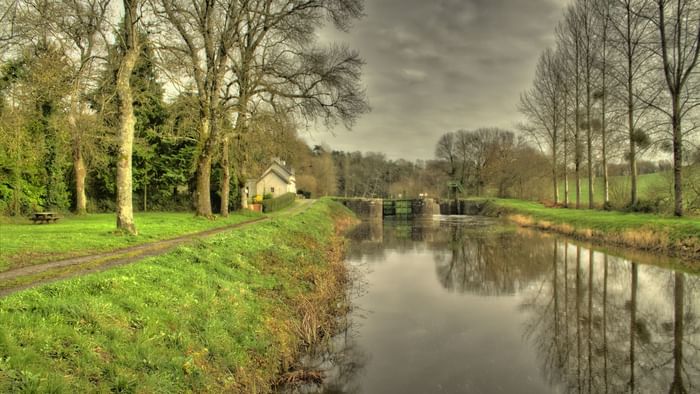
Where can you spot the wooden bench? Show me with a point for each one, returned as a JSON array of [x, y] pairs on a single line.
[[44, 217]]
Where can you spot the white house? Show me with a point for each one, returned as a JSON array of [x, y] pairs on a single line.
[[277, 180]]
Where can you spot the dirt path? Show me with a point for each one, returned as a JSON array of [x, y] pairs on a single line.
[[26, 277]]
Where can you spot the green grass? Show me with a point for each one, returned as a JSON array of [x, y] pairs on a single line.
[[218, 315], [23, 243], [672, 232]]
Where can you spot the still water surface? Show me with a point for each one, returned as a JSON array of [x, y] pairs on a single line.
[[469, 305]]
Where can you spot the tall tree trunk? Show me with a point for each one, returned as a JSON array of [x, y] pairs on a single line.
[[604, 102], [577, 128], [589, 139], [633, 147], [203, 186], [554, 176], [203, 175], [127, 120], [677, 158], [225, 189], [79, 170], [555, 162], [589, 126], [630, 111], [566, 150]]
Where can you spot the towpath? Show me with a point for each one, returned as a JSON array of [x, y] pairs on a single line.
[[26, 277]]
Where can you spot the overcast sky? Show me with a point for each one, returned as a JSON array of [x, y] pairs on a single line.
[[435, 66]]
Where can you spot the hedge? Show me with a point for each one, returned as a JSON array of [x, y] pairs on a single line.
[[277, 203]]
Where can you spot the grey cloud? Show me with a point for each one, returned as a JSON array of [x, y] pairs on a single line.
[[436, 66]]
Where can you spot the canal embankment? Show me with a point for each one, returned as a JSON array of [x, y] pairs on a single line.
[[229, 313], [678, 237]]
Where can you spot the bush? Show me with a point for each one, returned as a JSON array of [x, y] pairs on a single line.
[[275, 204]]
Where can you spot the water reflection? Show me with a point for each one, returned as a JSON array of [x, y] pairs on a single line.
[[629, 327], [476, 306]]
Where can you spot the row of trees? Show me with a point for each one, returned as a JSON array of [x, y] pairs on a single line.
[[237, 69], [622, 80], [492, 161]]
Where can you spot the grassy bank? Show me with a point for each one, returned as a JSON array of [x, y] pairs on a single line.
[[647, 184], [228, 314], [669, 235], [23, 243]]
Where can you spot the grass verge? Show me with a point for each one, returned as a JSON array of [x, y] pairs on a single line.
[[23, 243], [663, 234], [225, 314]]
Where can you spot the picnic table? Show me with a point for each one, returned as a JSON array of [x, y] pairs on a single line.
[[44, 217]]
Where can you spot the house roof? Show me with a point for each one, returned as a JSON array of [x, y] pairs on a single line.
[[281, 170]]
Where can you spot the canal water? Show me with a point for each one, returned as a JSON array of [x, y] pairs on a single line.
[[472, 305]]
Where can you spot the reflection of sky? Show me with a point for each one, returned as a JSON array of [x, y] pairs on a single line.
[[424, 333], [424, 339]]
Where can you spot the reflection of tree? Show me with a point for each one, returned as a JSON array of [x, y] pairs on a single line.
[[496, 264], [600, 323], [627, 327], [677, 385], [633, 320]]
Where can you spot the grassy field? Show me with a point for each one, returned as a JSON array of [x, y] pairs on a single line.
[[648, 185], [23, 243], [227, 314], [679, 236]]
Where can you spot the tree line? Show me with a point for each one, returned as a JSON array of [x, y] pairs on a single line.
[[621, 81], [83, 83]]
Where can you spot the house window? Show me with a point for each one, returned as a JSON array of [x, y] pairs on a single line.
[[272, 190]]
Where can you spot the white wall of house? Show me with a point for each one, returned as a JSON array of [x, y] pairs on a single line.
[[271, 183], [277, 181]]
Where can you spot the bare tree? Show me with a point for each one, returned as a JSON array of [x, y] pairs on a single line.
[[602, 8], [678, 23], [586, 19], [569, 35], [541, 105], [631, 29], [127, 120], [445, 150]]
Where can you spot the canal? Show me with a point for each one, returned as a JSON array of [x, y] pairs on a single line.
[[473, 305]]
